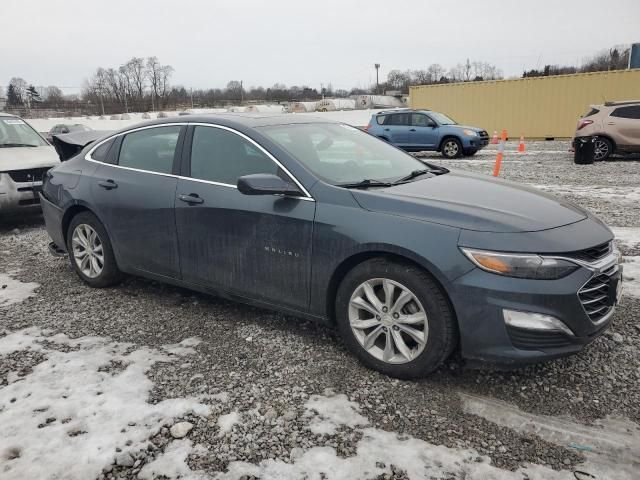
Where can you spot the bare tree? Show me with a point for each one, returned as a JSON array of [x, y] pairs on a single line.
[[158, 76]]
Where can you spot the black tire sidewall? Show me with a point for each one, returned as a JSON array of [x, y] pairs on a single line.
[[459, 147], [439, 316], [110, 274]]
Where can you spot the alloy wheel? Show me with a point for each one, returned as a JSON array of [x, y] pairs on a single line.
[[88, 252], [601, 149], [450, 149], [388, 321]]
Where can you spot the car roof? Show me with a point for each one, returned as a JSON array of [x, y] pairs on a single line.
[[616, 103], [3, 114], [237, 120], [403, 110]]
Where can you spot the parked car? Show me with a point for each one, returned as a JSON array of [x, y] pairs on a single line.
[[24, 157], [616, 126], [418, 130], [323, 221], [64, 128]]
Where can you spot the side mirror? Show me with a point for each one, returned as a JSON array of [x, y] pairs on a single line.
[[266, 184]]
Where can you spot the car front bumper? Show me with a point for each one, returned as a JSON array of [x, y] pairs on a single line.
[[481, 299], [16, 197]]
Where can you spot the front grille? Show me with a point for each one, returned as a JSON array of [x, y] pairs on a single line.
[[536, 340], [30, 175], [595, 295], [592, 254]]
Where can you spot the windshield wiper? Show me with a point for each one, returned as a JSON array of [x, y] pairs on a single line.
[[412, 175], [366, 183], [3, 145]]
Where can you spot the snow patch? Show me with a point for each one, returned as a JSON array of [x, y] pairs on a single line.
[[631, 276], [185, 347], [620, 195], [226, 422], [14, 291], [66, 418], [331, 412], [172, 463], [611, 446], [628, 236]]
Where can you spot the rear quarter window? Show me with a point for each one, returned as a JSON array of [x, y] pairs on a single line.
[[102, 152], [591, 112], [380, 119]]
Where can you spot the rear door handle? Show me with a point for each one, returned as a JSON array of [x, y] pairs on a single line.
[[108, 184], [386, 129], [611, 123], [192, 198], [412, 130]]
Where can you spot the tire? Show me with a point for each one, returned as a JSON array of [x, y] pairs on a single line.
[[451, 148], [78, 234], [469, 153], [412, 359], [603, 149]]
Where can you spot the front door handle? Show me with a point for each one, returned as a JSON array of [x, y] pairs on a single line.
[[386, 129], [192, 198], [611, 123], [412, 130], [108, 184]]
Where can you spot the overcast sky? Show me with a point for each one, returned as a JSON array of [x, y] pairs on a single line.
[[297, 42]]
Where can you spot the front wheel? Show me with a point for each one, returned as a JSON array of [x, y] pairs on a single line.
[[603, 149], [90, 251], [395, 318], [451, 148]]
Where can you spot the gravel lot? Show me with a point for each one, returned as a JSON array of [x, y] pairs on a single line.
[[270, 390]]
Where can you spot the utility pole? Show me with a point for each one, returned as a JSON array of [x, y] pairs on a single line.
[[322, 91], [126, 106], [192, 98], [241, 93], [377, 65]]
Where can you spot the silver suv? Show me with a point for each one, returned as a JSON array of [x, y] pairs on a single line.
[[616, 126], [24, 158]]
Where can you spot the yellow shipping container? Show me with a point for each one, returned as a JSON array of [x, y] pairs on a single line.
[[539, 107]]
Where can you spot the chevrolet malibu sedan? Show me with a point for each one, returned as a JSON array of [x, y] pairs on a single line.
[[323, 221]]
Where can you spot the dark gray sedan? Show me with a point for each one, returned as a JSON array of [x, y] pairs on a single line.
[[323, 221]]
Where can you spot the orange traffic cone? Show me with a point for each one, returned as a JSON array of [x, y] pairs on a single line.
[[504, 137], [494, 140], [521, 146]]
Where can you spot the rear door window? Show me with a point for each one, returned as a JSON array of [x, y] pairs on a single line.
[[221, 156], [632, 111], [398, 119], [420, 120], [593, 111], [151, 149]]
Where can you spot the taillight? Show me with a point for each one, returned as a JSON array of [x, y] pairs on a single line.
[[583, 123], [366, 129]]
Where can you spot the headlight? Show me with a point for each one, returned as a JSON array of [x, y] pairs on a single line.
[[521, 265], [470, 133]]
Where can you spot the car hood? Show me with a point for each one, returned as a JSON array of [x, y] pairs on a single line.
[[472, 202], [21, 158]]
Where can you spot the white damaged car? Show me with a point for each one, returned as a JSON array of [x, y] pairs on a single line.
[[24, 158]]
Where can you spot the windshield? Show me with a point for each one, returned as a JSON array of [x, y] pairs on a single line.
[[442, 119], [341, 154], [16, 132]]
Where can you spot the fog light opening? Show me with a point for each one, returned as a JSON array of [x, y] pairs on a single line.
[[535, 321]]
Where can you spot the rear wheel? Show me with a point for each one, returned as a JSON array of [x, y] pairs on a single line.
[[395, 318], [603, 149], [451, 148], [90, 251]]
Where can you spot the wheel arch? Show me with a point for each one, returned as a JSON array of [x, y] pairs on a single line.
[[608, 137], [71, 212], [400, 256], [447, 137]]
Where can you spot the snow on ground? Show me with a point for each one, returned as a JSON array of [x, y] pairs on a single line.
[[185, 347], [13, 291], [611, 445], [377, 451], [226, 422], [66, 417], [329, 413], [629, 238], [172, 464], [620, 195]]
